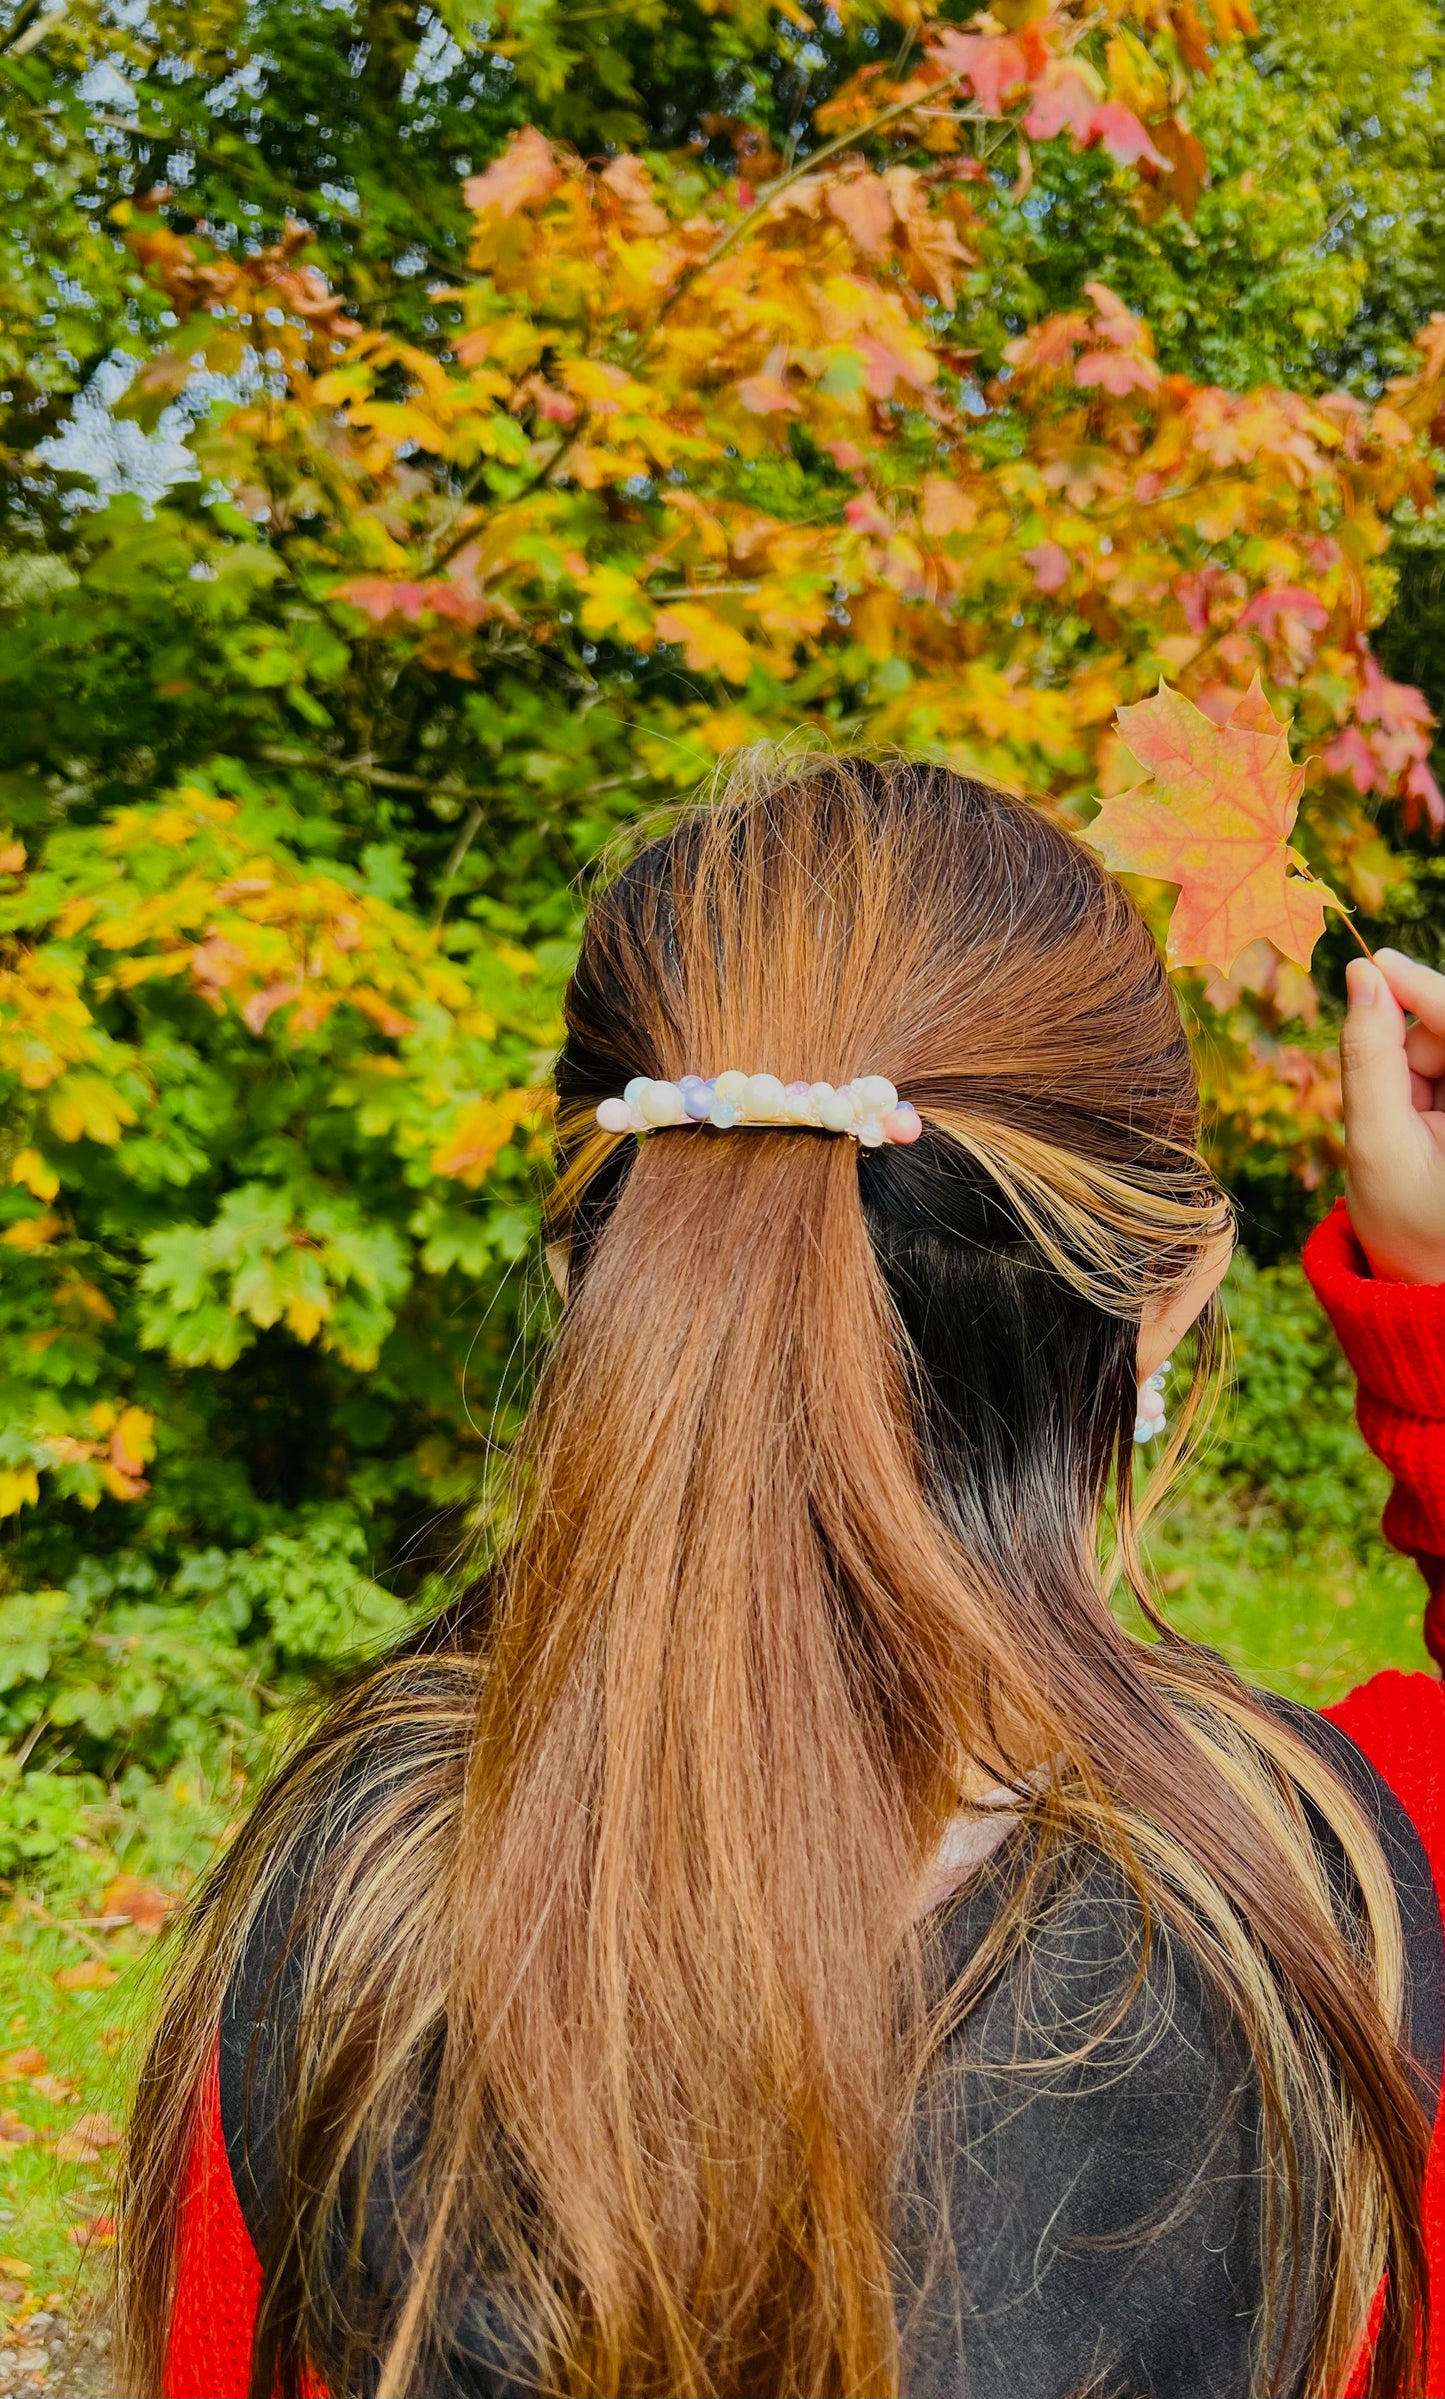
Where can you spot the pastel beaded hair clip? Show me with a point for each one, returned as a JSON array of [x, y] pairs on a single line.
[[868, 1109]]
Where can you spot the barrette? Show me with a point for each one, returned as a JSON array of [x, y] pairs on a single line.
[[868, 1109]]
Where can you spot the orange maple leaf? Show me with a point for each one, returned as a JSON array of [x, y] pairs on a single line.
[[1215, 819]]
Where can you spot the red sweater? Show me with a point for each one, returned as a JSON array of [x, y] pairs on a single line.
[[1394, 1337]]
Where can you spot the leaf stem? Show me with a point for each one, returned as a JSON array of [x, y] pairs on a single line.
[[1346, 918]]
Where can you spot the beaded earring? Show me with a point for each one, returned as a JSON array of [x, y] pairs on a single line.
[[1150, 1421]]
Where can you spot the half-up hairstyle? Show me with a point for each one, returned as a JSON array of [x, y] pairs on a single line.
[[804, 1544]]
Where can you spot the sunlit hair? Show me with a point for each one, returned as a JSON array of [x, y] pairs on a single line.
[[804, 1543]]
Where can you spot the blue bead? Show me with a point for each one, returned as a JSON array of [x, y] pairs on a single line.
[[697, 1099]]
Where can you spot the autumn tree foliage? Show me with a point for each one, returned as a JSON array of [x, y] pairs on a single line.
[[658, 447]]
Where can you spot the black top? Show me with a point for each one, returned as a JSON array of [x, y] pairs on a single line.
[[1078, 2229]]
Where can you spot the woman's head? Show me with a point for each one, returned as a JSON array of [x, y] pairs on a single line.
[[831, 917]]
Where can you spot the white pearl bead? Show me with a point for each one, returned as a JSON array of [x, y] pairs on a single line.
[[837, 1112], [662, 1104], [614, 1116], [731, 1087], [871, 1135], [766, 1099], [874, 1095]]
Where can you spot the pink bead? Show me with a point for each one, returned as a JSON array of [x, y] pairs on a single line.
[[614, 1116], [902, 1125]]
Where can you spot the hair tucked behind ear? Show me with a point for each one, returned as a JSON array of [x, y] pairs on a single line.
[[804, 1542]]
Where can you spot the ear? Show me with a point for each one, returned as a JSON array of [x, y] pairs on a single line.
[[557, 1262], [1165, 1324]]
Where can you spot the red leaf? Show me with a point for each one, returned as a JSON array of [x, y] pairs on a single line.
[[1062, 101], [1216, 820], [96, 2234], [1116, 372], [1350, 754], [766, 394], [865, 515], [996, 65], [1423, 796], [1267, 608], [1123, 136], [1050, 565]]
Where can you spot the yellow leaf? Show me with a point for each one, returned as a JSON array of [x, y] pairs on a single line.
[[133, 1440], [12, 858], [36, 1173], [32, 1232], [121, 1486], [85, 1107], [706, 641], [399, 421], [19, 1488], [614, 602], [77, 1293], [482, 1134], [304, 1317], [724, 729]]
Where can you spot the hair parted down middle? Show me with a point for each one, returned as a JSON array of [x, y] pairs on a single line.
[[805, 1542]]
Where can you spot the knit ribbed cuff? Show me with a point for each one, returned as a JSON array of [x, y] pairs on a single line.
[[1392, 1333]]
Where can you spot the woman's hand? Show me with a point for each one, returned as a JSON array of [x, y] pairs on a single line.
[[1394, 1087]]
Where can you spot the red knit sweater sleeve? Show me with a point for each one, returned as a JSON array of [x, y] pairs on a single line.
[[218, 2274], [1394, 1337]]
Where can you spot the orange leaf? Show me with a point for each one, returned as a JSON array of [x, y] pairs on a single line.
[[92, 1975], [1216, 820], [87, 2137], [864, 209], [56, 2089], [71, 2150], [98, 2128], [527, 170], [140, 1903], [21, 2063], [945, 509]]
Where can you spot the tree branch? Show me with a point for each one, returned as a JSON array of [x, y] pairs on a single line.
[[361, 770]]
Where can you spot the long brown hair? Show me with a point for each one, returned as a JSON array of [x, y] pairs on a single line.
[[621, 1899]]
